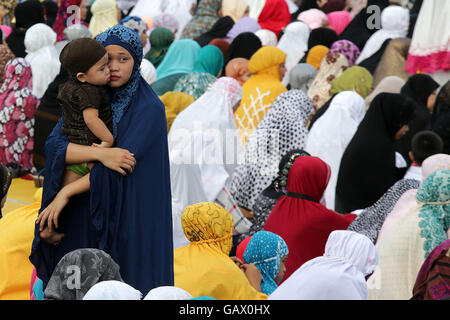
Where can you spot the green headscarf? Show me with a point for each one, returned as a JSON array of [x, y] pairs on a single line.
[[355, 78], [209, 60], [434, 195], [160, 40], [180, 58]]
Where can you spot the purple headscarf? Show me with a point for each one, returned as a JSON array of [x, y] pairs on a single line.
[[348, 49], [245, 24]]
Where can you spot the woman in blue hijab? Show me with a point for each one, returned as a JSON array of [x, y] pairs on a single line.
[[268, 252], [127, 215]]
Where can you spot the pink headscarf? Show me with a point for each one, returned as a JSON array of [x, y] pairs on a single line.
[[313, 18], [6, 31], [339, 20]]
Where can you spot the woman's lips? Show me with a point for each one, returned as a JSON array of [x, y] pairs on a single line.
[[114, 78]]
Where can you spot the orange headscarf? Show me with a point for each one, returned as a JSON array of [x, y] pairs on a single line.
[[237, 68], [316, 55]]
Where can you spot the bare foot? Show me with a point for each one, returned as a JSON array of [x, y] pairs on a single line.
[[51, 237]]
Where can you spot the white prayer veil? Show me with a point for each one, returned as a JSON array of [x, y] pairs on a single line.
[[42, 55], [337, 275]]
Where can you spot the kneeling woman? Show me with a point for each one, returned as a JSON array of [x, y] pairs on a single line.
[[128, 216]]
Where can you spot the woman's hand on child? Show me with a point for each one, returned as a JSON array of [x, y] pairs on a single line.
[[117, 159], [104, 144], [51, 213]]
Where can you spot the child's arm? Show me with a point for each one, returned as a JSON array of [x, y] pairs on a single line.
[[98, 127], [51, 213]]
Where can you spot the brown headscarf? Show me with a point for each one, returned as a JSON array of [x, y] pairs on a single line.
[[5, 55], [393, 61]]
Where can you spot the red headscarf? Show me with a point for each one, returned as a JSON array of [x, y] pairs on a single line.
[[241, 248], [274, 16], [305, 224], [61, 18]]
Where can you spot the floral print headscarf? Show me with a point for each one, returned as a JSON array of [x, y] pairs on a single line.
[[18, 106]]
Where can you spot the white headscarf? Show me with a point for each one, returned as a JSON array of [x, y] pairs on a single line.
[[148, 71], [294, 43], [203, 149], [168, 293], [146, 8], [255, 6], [104, 16], [338, 275], [42, 56], [112, 290], [332, 132], [267, 37], [73, 32], [394, 24]]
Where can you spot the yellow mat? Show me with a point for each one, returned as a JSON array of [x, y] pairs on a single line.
[[21, 193]]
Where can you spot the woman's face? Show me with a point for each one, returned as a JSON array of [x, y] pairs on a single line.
[[282, 270], [83, 10], [402, 132], [120, 64], [431, 100], [283, 71]]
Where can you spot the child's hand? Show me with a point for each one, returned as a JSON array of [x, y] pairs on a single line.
[[51, 213], [104, 144]]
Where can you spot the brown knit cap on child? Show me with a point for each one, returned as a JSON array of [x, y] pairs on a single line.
[[80, 55]]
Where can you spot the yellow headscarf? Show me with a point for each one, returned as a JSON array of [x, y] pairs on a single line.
[[203, 268], [175, 102], [355, 78], [104, 16], [316, 55], [234, 9], [16, 238], [261, 90]]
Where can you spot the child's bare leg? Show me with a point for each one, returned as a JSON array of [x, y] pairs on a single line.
[[50, 236]]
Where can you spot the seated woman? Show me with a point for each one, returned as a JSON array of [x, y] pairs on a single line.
[[178, 61], [97, 219], [207, 67], [203, 268], [268, 252], [403, 250], [91, 265], [261, 90], [339, 274], [359, 185], [299, 217]]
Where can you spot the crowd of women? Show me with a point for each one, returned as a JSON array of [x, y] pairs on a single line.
[[263, 149]]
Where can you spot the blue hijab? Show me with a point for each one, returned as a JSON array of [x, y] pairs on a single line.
[[265, 249], [129, 217]]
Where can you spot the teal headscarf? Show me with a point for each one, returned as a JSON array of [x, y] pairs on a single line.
[[180, 58], [434, 195], [209, 60], [266, 249]]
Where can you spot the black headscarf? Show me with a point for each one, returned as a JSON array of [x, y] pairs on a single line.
[[368, 165], [371, 63], [51, 10], [320, 36], [46, 117], [333, 5], [5, 182], [439, 121], [271, 192], [418, 87], [218, 30], [357, 31], [243, 46], [27, 14]]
